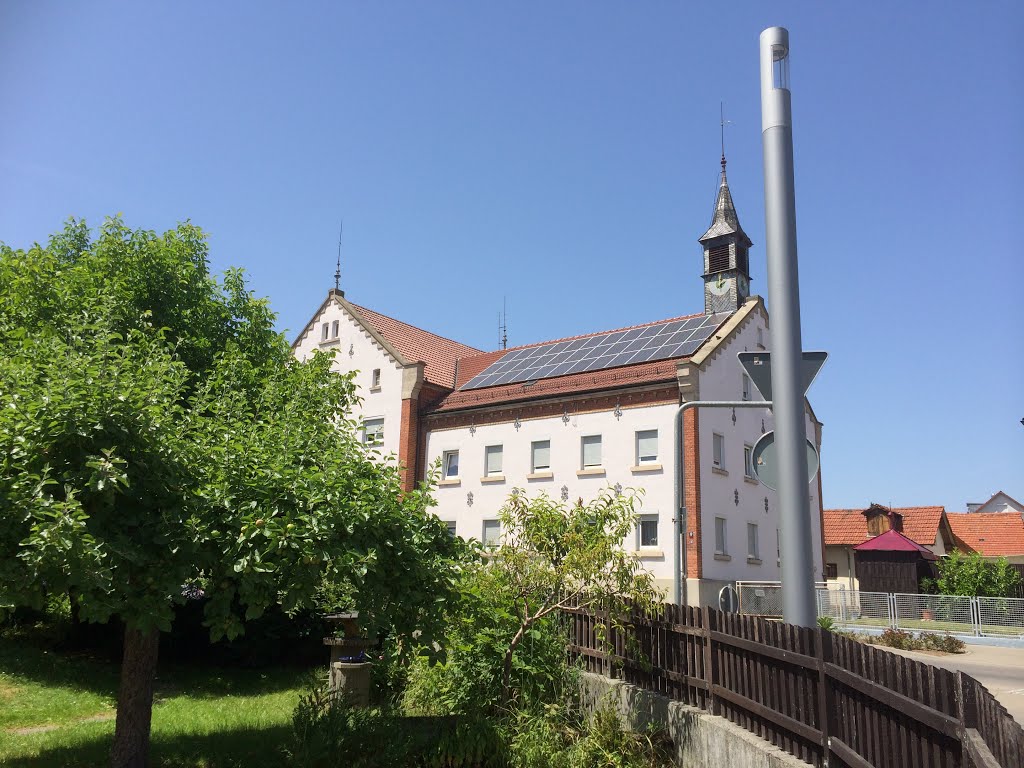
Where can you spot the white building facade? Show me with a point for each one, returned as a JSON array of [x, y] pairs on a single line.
[[577, 423]]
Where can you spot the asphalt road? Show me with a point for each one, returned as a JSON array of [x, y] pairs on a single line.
[[1001, 670]]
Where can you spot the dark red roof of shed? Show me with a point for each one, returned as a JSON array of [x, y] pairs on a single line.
[[894, 541]]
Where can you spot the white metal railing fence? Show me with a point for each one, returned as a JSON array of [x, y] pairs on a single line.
[[852, 609]]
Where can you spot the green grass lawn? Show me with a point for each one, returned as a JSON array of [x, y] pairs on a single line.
[[57, 709]]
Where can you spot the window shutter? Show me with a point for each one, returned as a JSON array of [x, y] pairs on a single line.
[[647, 445], [493, 460], [542, 454], [592, 451]]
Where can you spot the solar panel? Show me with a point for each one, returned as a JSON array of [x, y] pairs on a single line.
[[663, 341]]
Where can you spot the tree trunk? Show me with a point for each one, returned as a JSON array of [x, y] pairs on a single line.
[[506, 671], [135, 699]]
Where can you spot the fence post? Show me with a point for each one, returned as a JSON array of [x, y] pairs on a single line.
[[709, 660], [976, 616], [966, 711], [824, 693], [894, 617]]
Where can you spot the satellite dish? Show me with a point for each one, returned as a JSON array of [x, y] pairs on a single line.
[[728, 600]]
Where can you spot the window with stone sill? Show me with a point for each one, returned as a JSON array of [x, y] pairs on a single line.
[[647, 447], [718, 451], [450, 465], [721, 547], [540, 456], [493, 455], [647, 531], [373, 431]]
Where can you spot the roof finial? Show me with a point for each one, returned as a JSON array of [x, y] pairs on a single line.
[[337, 271], [723, 121]]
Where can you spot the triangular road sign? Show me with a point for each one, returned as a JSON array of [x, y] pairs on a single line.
[[758, 366]]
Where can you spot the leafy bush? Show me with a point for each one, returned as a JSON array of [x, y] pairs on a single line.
[[897, 638], [945, 643], [924, 641], [973, 576], [827, 622], [327, 732], [565, 738]]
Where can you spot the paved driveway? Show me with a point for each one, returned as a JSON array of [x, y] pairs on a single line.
[[1001, 670]]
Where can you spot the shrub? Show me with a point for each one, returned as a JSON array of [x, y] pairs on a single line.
[[925, 641], [827, 622], [897, 638]]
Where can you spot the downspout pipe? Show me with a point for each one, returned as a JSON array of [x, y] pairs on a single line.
[[679, 475]]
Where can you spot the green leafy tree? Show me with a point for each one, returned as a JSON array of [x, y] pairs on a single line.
[[156, 432], [553, 556], [972, 575]]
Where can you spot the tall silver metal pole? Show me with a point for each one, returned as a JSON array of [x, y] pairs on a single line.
[[798, 599]]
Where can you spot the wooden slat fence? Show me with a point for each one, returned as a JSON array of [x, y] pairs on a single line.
[[829, 700]]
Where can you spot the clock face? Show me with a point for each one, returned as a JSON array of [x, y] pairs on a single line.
[[719, 286]]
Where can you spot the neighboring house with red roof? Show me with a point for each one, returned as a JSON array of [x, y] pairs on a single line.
[[845, 529], [991, 534], [571, 417]]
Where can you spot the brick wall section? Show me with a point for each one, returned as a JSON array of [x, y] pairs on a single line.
[[668, 393], [691, 493], [408, 442]]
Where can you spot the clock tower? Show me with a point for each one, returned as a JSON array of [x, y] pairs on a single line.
[[726, 260]]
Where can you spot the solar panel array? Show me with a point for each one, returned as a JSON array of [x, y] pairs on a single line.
[[676, 338]]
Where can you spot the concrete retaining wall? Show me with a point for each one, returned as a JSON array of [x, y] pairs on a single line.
[[701, 740]]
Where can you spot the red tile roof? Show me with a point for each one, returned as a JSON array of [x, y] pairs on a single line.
[[418, 345], [990, 533], [623, 376], [849, 526]]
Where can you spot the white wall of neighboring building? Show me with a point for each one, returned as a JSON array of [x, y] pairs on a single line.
[[618, 458], [846, 574], [356, 350], [722, 379]]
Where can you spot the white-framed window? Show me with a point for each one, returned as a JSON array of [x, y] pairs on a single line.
[[718, 451], [491, 534], [647, 446], [760, 337], [324, 331], [449, 465], [373, 431], [721, 545], [450, 525], [375, 378], [334, 329], [748, 461], [492, 460], [647, 531], [540, 456], [590, 451], [753, 551], [746, 387]]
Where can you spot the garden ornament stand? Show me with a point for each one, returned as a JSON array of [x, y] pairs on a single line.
[[350, 669]]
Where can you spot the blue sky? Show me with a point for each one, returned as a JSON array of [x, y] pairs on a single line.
[[565, 156]]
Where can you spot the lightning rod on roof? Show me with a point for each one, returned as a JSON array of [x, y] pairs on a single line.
[[337, 270], [503, 325]]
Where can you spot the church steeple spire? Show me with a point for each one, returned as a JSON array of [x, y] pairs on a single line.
[[726, 263]]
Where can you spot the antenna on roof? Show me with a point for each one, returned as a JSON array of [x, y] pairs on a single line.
[[337, 271], [503, 325]]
